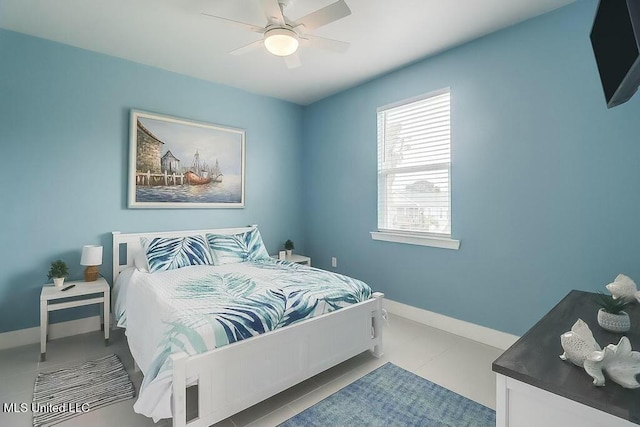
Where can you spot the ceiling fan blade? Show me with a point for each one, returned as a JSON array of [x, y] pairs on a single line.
[[244, 25], [324, 43], [293, 60], [247, 48], [273, 12], [324, 16]]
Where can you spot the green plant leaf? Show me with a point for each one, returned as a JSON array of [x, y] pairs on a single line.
[[610, 305]]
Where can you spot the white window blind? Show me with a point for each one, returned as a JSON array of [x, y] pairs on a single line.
[[414, 165]]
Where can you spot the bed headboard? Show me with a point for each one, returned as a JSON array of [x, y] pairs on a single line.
[[129, 244]]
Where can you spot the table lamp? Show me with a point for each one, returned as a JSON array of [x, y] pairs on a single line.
[[92, 258]]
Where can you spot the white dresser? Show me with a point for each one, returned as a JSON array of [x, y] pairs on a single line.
[[535, 388]]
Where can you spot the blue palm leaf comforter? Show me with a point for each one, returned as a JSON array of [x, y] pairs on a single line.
[[199, 308]]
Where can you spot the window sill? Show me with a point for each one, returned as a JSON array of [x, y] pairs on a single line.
[[435, 242]]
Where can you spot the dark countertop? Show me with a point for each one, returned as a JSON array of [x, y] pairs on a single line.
[[534, 360]]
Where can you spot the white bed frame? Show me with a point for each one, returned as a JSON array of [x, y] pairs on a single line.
[[237, 376]]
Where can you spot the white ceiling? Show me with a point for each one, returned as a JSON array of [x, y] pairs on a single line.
[[174, 35]]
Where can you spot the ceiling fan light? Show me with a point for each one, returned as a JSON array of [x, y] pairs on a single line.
[[281, 41]]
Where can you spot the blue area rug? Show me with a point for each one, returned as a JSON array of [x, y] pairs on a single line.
[[391, 396]]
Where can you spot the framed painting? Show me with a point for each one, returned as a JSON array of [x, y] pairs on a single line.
[[178, 163]]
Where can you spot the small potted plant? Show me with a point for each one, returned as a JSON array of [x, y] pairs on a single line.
[[611, 315], [288, 245], [58, 272]]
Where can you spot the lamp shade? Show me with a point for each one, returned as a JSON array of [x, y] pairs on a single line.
[[281, 41], [91, 255]]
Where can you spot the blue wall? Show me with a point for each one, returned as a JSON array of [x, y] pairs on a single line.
[[545, 179], [64, 116]]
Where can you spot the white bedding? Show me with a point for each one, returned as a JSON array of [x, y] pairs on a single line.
[[148, 305]]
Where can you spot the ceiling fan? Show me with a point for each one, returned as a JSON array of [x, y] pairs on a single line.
[[282, 36]]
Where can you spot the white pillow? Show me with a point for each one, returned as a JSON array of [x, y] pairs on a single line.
[[140, 261], [233, 248]]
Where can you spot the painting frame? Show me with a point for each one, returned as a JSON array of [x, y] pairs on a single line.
[[158, 179]]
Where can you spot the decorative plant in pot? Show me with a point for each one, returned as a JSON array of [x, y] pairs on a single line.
[[611, 315], [58, 272], [288, 245]]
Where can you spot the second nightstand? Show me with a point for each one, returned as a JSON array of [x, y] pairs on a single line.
[[48, 303], [299, 259]]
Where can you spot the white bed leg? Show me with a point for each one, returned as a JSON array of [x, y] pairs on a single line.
[[378, 350], [179, 361]]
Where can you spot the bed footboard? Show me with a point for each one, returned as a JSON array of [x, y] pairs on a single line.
[[237, 376], [377, 317]]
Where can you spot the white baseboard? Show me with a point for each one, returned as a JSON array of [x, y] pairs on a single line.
[[56, 330], [468, 330]]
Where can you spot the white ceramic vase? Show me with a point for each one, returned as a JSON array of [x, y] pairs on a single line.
[[289, 252], [614, 322], [58, 281]]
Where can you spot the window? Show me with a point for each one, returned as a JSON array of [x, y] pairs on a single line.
[[414, 165]]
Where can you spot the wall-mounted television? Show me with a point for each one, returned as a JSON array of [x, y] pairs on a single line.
[[615, 38]]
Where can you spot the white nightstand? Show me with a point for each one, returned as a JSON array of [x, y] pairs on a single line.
[[299, 259], [48, 303]]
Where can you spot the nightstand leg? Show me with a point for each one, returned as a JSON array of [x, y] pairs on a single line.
[[106, 317], [102, 316], [44, 323]]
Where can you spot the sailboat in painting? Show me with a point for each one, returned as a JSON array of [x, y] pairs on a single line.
[[216, 173], [198, 174]]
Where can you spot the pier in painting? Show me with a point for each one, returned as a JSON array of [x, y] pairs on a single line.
[[181, 162], [153, 170]]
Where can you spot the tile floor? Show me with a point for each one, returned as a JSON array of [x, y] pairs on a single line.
[[456, 363]]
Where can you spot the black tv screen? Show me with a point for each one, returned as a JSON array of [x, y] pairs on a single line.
[[615, 38]]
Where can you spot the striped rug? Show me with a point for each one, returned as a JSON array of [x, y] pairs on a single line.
[[391, 396], [67, 393]]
